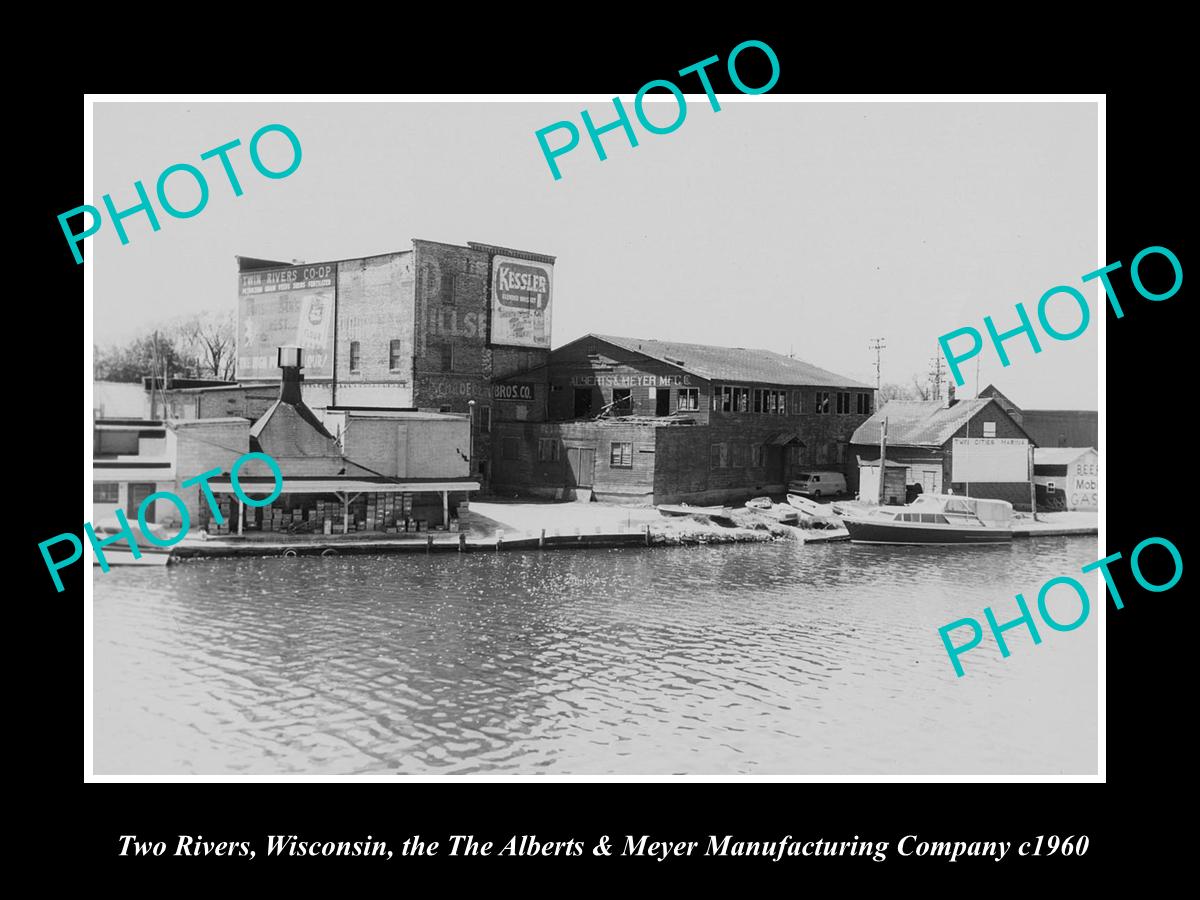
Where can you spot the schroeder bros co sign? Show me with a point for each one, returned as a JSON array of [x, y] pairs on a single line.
[[512, 392]]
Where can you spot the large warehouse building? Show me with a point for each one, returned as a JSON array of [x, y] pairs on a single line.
[[427, 329], [648, 421]]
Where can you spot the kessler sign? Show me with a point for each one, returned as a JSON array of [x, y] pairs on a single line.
[[521, 294]]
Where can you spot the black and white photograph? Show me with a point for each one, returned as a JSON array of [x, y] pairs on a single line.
[[489, 437]]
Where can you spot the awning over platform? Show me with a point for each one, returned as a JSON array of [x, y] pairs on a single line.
[[340, 486], [785, 437]]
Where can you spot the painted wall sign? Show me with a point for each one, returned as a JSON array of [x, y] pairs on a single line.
[[990, 459], [448, 388], [630, 380], [512, 391], [295, 305], [521, 296]]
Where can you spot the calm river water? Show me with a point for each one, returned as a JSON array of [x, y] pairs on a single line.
[[774, 658]]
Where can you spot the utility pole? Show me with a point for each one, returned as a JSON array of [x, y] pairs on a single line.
[[882, 459], [935, 376], [878, 346]]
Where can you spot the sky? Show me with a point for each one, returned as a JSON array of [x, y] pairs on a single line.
[[799, 227]]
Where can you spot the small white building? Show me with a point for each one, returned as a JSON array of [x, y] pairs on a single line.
[[1067, 477]]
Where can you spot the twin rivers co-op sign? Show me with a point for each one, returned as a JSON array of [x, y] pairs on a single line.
[[521, 292], [291, 306]]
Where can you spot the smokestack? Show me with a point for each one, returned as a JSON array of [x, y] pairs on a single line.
[[291, 361], [950, 400]]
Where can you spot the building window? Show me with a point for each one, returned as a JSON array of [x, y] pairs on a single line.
[[864, 404], [795, 456], [510, 448], [989, 429], [841, 451], [448, 358], [448, 287], [760, 456], [741, 399], [797, 405], [718, 456], [485, 420], [622, 402], [843, 403], [620, 455], [106, 492], [737, 455], [548, 449], [689, 399], [355, 356], [723, 401], [394, 356], [821, 407]]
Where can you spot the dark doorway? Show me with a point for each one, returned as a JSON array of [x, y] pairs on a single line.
[[622, 404], [581, 464], [583, 403], [662, 402], [139, 491]]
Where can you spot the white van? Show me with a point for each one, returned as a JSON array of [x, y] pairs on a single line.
[[818, 484]]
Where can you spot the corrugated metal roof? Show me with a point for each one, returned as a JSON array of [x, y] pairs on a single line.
[[1068, 427], [734, 363], [920, 423], [1058, 456]]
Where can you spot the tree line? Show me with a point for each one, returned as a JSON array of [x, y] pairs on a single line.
[[202, 345]]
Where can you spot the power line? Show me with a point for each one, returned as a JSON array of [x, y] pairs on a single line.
[[935, 376], [877, 344]]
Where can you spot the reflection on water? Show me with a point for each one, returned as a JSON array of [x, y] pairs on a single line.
[[774, 658]]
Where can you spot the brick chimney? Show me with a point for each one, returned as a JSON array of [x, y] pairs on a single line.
[[291, 361]]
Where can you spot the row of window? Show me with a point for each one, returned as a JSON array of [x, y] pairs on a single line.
[[726, 398], [724, 455], [735, 455], [620, 453], [395, 356]]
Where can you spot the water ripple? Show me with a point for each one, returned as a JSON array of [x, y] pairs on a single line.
[[720, 659]]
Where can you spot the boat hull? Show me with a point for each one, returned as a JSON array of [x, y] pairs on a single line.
[[150, 557], [869, 531]]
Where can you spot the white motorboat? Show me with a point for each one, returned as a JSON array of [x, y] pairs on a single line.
[[935, 519], [118, 553], [820, 515]]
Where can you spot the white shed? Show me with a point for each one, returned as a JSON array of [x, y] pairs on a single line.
[[1069, 476]]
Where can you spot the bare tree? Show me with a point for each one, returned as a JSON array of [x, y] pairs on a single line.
[[208, 338]]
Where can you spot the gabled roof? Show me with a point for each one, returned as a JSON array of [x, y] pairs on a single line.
[[1058, 456], [922, 423], [732, 363]]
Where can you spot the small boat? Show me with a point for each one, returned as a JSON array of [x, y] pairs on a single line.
[[820, 515], [935, 519], [118, 553], [779, 511], [720, 514]]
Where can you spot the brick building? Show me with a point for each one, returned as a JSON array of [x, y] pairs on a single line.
[[655, 421], [426, 329], [1052, 427], [924, 435]]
